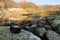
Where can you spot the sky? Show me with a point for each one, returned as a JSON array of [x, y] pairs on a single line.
[[43, 2]]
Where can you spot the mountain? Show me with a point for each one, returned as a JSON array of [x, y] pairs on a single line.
[[30, 7], [49, 8], [25, 4]]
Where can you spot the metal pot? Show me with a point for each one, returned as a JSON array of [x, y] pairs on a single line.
[[15, 29]]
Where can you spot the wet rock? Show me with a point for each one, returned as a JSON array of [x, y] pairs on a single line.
[[52, 35]]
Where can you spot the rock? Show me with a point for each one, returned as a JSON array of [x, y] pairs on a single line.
[[52, 35], [23, 35], [47, 27], [3, 38], [41, 31], [56, 26], [57, 29]]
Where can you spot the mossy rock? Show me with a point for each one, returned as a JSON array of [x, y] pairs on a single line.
[[52, 35], [41, 31]]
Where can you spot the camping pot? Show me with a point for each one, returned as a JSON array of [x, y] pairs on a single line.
[[15, 29]]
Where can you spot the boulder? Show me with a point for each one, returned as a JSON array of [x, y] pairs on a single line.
[[52, 35], [41, 31]]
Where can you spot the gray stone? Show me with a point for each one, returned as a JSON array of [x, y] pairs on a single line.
[[41, 31], [5, 34], [52, 35]]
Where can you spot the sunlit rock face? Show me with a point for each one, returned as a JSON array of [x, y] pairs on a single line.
[[18, 1], [1, 14], [15, 9], [16, 20], [2, 4]]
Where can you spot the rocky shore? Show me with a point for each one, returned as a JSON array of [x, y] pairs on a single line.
[[47, 28]]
